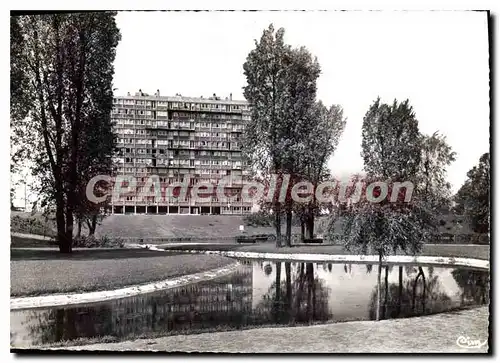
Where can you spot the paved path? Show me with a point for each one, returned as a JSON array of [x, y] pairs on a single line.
[[435, 333]]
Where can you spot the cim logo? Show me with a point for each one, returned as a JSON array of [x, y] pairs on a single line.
[[468, 343]]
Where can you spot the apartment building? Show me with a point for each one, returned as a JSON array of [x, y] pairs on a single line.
[[180, 140]]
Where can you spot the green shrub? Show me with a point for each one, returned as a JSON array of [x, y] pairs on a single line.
[[92, 242], [259, 219], [31, 225]]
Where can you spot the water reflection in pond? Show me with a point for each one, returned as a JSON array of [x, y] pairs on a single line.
[[260, 293]]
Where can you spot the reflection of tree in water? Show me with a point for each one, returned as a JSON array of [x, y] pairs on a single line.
[[300, 298], [420, 294], [53, 325], [224, 301], [327, 267], [474, 285], [268, 269]]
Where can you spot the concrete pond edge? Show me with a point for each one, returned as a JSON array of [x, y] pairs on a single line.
[[46, 301], [324, 257]]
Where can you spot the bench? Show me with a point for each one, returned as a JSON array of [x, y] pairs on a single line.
[[263, 237], [313, 240], [245, 239]]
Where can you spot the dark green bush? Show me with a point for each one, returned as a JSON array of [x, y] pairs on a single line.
[[92, 242], [258, 219], [31, 225]]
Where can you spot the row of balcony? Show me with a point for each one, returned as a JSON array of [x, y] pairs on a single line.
[[170, 155], [193, 118], [175, 202], [175, 163], [180, 147], [179, 137], [209, 124], [165, 108]]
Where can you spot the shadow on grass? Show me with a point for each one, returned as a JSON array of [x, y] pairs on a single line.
[[90, 254]]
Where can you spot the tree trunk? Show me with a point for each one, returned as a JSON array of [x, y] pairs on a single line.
[[64, 243], [400, 290], [93, 225], [424, 289], [277, 223], [288, 228], [414, 292], [277, 307], [288, 272], [153, 316], [300, 289], [79, 228], [310, 225], [310, 282], [59, 325], [377, 312], [69, 227], [302, 230], [72, 173], [386, 296], [313, 294]]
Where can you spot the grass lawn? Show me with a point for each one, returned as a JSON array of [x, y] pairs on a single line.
[[42, 272]]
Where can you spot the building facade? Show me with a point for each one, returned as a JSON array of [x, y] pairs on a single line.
[[180, 140]]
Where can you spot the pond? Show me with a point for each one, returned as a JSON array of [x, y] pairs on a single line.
[[260, 293]]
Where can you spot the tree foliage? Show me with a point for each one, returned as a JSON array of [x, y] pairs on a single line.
[[62, 68], [473, 198], [431, 181], [392, 152], [390, 141], [289, 132], [327, 125], [281, 88]]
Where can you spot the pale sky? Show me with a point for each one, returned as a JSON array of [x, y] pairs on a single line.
[[439, 60]]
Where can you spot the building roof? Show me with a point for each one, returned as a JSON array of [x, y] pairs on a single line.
[[180, 98]]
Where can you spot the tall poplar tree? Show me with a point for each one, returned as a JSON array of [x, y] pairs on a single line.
[[281, 88], [62, 71]]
